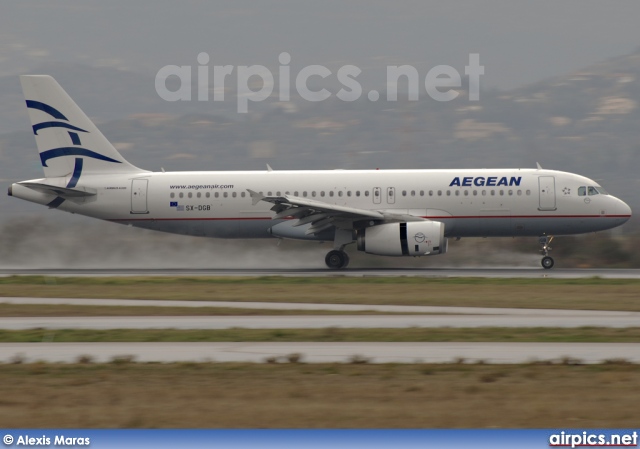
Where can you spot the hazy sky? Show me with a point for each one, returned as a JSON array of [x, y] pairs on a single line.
[[519, 41]]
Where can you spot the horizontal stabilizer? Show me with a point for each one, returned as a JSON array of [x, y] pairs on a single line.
[[64, 192]]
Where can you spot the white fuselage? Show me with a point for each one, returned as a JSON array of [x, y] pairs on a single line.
[[471, 203]]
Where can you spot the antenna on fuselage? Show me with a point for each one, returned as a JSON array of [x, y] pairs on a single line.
[[269, 168], [538, 165]]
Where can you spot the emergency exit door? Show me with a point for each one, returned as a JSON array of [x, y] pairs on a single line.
[[391, 195], [377, 195]]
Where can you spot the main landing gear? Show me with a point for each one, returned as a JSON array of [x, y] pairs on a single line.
[[547, 261], [336, 259]]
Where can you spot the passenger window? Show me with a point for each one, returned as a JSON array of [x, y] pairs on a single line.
[[484, 193], [172, 195], [493, 193], [322, 193], [519, 192], [448, 192], [357, 192], [404, 193], [430, 192], [376, 193], [234, 194], [475, 193], [198, 194], [501, 192], [209, 194], [582, 191], [421, 192], [295, 193], [313, 194], [225, 194], [457, 192], [413, 193], [242, 195], [217, 194], [331, 193], [366, 193], [466, 193], [304, 194], [268, 194], [348, 192], [510, 192], [439, 192], [592, 191], [528, 192], [190, 195], [181, 194], [278, 193]]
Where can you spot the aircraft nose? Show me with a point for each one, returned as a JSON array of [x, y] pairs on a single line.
[[624, 210]]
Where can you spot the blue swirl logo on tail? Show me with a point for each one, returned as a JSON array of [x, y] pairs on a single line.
[[72, 151], [45, 125], [75, 150], [53, 112]]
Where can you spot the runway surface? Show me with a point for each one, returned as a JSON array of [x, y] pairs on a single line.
[[562, 320], [323, 306], [322, 352], [498, 272], [417, 316]]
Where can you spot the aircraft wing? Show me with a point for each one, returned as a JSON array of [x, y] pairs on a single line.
[[323, 215]]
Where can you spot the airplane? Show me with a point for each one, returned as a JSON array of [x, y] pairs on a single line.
[[385, 212]]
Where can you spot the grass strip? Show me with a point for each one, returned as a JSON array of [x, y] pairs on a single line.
[[66, 310], [552, 335], [577, 294], [298, 395]]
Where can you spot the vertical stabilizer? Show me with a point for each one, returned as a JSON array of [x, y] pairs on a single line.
[[65, 136]]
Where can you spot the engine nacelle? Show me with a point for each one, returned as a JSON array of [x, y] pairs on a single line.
[[415, 238]]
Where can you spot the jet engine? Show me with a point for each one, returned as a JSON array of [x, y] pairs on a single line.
[[415, 238]]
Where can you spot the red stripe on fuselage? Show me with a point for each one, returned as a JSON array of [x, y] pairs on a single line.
[[429, 218]]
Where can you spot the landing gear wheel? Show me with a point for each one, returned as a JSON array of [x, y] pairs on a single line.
[[336, 260], [545, 242], [547, 262]]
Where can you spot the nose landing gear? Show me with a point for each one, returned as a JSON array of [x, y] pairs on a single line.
[[547, 261]]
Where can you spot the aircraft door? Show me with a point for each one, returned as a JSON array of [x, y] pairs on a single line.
[[391, 195], [139, 196], [377, 195], [547, 191]]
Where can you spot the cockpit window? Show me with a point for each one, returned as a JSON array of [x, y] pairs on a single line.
[[591, 191]]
